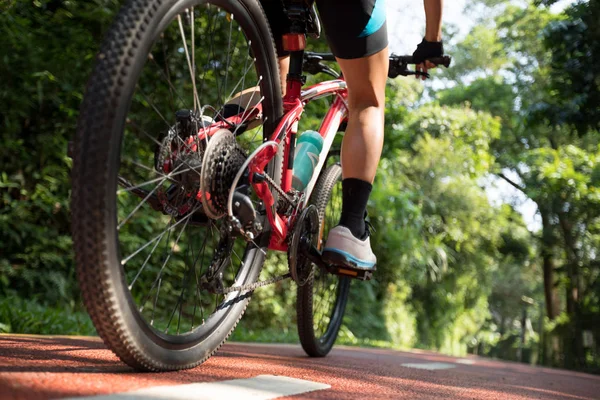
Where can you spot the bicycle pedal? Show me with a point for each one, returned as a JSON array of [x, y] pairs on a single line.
[[340, 270]]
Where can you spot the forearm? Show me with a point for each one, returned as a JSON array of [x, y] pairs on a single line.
[[433, 20]]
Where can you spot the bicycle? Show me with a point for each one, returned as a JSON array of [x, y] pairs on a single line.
[[165, 160]]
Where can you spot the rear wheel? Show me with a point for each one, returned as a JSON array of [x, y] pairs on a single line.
[[144, 244], [321, 302]]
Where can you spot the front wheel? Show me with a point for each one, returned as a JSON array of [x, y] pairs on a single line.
[[321, 302], [145, 246]]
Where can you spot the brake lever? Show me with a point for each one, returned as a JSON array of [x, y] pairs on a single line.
[[418, 73], [401, 69]]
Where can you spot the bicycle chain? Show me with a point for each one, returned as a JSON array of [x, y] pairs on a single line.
[[250, 287], [279, 189]]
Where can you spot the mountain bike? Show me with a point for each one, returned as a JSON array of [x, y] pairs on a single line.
[[182, 180]]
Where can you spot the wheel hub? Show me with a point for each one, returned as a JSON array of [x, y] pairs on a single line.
[[176, 154]]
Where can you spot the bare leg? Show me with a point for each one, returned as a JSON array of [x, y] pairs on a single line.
[[363, 140], [284, 67]]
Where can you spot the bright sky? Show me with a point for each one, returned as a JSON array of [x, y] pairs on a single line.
[[406, 25], [406, 22]]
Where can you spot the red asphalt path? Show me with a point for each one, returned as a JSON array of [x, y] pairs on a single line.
[[42, 367]]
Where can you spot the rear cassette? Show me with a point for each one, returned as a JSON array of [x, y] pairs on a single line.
[[223, 158]]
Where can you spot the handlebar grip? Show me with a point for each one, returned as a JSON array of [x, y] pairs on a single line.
[[443, 60]]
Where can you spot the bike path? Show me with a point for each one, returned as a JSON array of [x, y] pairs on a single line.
[[45, 367]]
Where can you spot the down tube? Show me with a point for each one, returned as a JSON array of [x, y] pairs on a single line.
[[328, 130]]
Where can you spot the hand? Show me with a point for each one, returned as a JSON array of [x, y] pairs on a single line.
[[424, 67], [424, 51]]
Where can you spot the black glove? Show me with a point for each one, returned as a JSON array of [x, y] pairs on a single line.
[[426, 50]]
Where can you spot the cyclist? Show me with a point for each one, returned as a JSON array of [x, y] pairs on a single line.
[[357, 35]]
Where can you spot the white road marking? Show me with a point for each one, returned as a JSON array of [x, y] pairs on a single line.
[[465, 361], [261, 387], [431, 366]]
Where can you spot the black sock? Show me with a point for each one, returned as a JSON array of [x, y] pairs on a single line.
[[355, 195]]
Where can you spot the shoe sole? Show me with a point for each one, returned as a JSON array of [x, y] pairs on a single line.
[[338, 264]]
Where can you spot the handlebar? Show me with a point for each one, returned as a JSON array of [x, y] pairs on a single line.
[[398, 64], [443, 60]]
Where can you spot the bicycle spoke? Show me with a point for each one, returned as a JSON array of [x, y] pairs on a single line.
[[192, 23], [189, 62], [238, 257], [155, 302], [145, 167], [166, 73], [197, 294], [151, 104], [159, 236], [160, 182], [158, 290], [242, 80], [167, 76], [161, 179], [259, 131], [211, 53], [162, 268], [179, 303], [146, 261], [249, 113], [228, 51]]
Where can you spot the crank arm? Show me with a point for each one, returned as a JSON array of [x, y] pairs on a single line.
[[313, 254]]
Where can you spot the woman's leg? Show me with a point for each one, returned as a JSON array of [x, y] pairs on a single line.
[[363, 141]]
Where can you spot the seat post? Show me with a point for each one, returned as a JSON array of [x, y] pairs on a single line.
[[295, 42]]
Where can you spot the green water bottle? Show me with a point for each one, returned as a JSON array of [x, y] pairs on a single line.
[[308, 148]]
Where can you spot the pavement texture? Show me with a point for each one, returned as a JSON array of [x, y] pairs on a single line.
[[44, 367]]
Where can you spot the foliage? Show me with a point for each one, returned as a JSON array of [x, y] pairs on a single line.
[[47, 51], [18, 315], [575, 68]]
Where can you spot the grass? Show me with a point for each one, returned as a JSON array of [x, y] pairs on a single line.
[[19, 315]]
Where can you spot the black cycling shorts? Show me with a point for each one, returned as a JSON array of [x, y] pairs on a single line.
[[354, 28]]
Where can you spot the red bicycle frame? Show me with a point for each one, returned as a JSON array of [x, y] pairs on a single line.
[[285, 135], [294, 103]]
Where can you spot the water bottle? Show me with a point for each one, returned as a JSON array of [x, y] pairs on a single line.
[[308, 148]]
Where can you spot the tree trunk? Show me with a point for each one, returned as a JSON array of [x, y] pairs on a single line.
[[573, 290], [550, 292]]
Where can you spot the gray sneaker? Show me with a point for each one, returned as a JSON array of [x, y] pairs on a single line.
[[343, 249]]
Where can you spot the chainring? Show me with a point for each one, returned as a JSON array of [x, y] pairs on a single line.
[[305, 233], [223, 158]]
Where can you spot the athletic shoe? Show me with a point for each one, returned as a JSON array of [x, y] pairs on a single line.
[[343, 249]]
